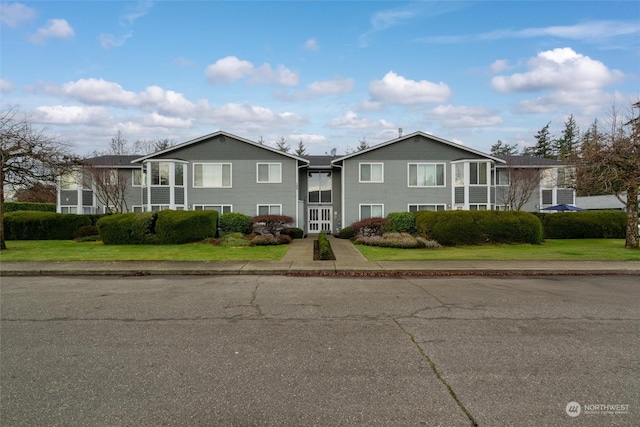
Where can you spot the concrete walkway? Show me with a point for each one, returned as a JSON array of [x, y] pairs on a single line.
[[299, 260]]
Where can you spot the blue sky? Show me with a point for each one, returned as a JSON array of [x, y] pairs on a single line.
[[329, 73]]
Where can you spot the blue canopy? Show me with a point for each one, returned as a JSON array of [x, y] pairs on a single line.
[[563, 208]]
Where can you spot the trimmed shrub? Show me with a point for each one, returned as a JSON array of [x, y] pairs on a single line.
[[284, 239], [234, 239], [86, 231], [369, 227], [38, 225], [400, 222], [346, 233], [477, 227], [177, 227], [324, 247], [135, 228], [584, 225], [390, 240], [294, 233], [234, 222], [29, 206], [264, 240], [271, 224]]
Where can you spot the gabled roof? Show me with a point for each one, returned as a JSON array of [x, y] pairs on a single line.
[[113, 160], [319, 161], [530, 161], [423, 134], [213, 135]]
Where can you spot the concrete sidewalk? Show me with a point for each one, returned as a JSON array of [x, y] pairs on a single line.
[[299, 261]]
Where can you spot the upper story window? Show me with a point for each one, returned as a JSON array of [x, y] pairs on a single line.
[[160, 173], [319, 187], [502, 177], [139, 178], [269, 172], [426, 174], [371, 172], [212, 175], [87, 180], [458, 172], [478, 173], [69, 181], [178, 174]]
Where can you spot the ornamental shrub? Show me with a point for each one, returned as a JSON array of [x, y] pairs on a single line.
[[234, 222], [584, 225], [369, 227], [29, 206], [134, 228], [85, 231], [400, 222], [264, 240], [324, 247], [234, 239], [390, 240], [39, 225], [271, 224], [346, 233], [177, 227], [294, 233]]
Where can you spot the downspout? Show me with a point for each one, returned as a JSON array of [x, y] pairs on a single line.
[[342, 180]]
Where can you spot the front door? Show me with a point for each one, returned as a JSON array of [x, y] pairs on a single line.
[[320, 219]]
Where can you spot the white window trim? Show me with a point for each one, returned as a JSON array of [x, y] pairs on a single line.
[[444, 205], [133, 177], [203, 206], [371, 164], [193, 180], [141, 207], [369, 204], [444, 178], [498, 170], [270, 181], [487, 174], [270, 206], [69, 207]]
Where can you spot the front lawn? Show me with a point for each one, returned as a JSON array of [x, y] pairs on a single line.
[[550, 250], [63, 250]]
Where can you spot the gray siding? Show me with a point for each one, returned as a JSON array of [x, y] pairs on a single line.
[[459, 195], [160, 195], [179, 195], [565, 196], [87, 198], [69, 197], [478, 195], [547, 197]]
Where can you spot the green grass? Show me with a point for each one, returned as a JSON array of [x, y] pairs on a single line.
[[557, 250], [62, 250]]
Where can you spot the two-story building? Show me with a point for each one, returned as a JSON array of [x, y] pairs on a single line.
[[227, 173]]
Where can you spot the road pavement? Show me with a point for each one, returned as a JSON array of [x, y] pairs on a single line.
[[301, 351]]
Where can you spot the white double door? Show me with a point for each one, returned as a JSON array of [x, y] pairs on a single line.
[[320, 219]]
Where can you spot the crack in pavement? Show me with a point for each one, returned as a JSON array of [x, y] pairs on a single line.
[[254, 295], [444, 382], [442, 304]]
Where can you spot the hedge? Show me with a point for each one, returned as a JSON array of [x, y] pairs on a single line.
[[584, 225], [400, 222], [29, 206], [324, 247], [294, 232], [38, 225], [162, 227], [477, 227], [234, 222]]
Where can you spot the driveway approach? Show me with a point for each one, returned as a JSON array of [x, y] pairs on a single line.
[[271, 350]]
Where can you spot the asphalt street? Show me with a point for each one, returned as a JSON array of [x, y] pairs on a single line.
[[302, 351]]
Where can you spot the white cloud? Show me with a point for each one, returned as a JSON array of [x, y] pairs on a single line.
[[558, 69], [311, 45], [252, 117], [108, 41], [338, 85], [351, 121], [499, 65], [306, 138], [159, 120], [181, 61], [56, 28], [141, 9], [396, 89], [463, 116], [14, 14], [70, 115], [6, 86], [231, 68]]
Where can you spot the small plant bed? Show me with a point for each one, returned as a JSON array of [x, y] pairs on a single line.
[[322, 249]]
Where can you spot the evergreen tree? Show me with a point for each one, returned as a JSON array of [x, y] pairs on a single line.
[[567, 145], [502, 149], [301, 150], [282, 145], [544, 144]]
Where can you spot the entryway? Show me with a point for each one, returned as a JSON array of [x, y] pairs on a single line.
[[319, 219]]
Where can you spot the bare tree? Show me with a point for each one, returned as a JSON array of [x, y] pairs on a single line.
[[523, 182], [28, 156], [37, 193], [118, 145], [147, 146], [110, 186], [612, 164]]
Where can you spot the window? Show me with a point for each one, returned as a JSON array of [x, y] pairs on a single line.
[[269, 209], [565, 177], [212, 175], [160, 173], [477, 207], [159, 207], [319, 187], [459, 174], [139, 178], [371, 172], [87, 180], [502, 177], [137, 208], [222, 209], [426, 174], [548, 178], [269, 172], [178, 174], [478, 173], [415, 208], [501, 208], [371, 211], [69, 209], [69, 181]]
